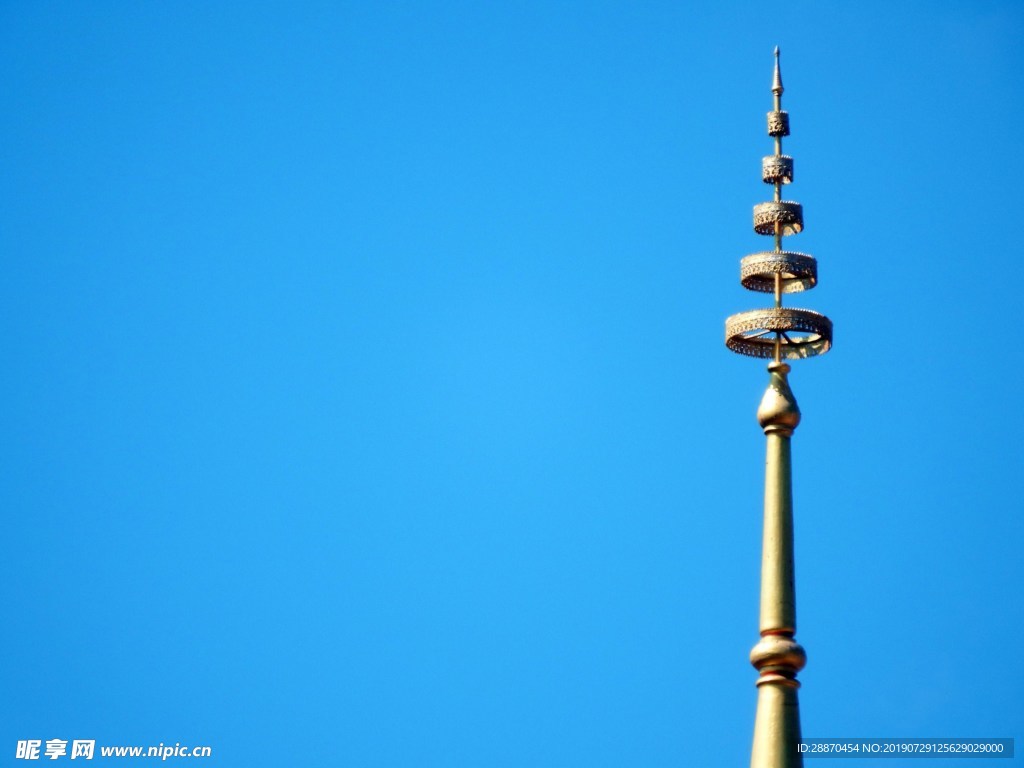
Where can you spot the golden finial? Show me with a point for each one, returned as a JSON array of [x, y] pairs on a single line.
[[777, 332], [780, 333]]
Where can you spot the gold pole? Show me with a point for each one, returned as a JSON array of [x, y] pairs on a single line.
[[777, 657]]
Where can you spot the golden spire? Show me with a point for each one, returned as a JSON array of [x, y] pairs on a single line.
[[791, 334]]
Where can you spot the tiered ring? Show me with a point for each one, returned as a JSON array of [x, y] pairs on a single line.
[[802, 333], [790, 217], [799, 272], [778, 123]]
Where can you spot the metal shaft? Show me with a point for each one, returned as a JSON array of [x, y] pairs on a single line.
[[778, 657]]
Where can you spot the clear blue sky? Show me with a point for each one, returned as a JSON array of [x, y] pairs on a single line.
[[365, 400]]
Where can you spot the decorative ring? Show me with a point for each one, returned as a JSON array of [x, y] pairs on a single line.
[[790, 217], [777, 169], [778, 123], [798, 270], [754, 333]]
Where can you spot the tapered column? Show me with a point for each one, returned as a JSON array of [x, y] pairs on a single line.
[[778, 657]]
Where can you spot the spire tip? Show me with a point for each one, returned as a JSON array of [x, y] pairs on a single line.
[[777, 76]]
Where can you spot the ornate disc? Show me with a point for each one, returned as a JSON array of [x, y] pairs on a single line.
[[798, 270], [801, 333], [778, 123], [789, 215], [777, 169]]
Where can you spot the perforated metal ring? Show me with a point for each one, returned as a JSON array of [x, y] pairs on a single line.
[[777, 169], [778, 123], [798, 271], [790, 217], [801, 333]]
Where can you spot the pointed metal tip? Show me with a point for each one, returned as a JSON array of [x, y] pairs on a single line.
[[777, 77]]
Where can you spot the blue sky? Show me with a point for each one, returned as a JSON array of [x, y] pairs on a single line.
[[365, 400]]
